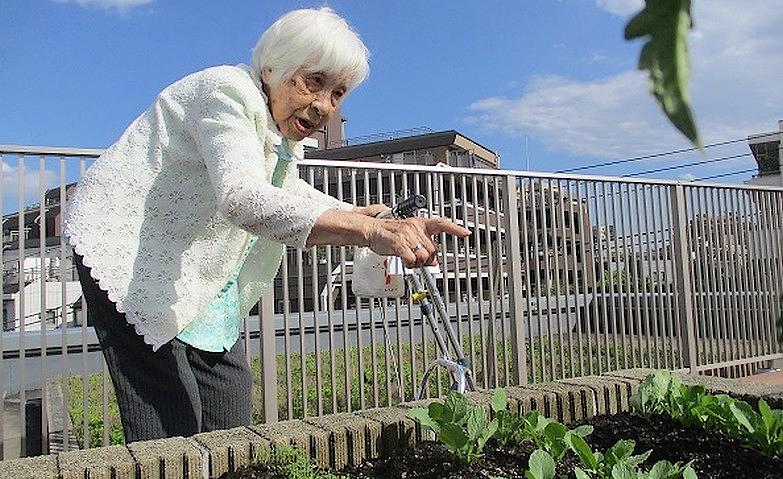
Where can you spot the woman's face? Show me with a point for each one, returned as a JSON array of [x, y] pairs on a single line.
[[304, 103]]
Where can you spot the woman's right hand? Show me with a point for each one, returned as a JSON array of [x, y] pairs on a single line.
[[411, 238]]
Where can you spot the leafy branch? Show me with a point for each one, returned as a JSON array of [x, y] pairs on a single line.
[[665, 24]]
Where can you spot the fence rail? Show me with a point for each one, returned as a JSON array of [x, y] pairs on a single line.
[[564, 275]]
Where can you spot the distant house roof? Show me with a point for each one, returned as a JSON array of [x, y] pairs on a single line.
[[397, 145], [53, 195], [766, 151]]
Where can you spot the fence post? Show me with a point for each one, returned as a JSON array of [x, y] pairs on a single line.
[[266, 319], [681, 259], [514, 271]]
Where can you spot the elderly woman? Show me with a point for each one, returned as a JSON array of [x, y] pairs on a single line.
[[178, 226]]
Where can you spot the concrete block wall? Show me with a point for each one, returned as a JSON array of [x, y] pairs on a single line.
[[337, 440]]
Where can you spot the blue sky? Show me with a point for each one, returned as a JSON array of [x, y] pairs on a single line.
[[553, 75]]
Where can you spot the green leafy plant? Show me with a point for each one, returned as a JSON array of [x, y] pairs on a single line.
[[664, 393], [768, 429], [463, 430], [665, 24], [508, 423], [540, 465], [548, 434], [289, 463], [620, 462]]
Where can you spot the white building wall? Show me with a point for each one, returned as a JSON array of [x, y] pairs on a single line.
[[53, 302]]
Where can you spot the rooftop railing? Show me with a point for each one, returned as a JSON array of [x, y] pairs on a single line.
[[563, 276]]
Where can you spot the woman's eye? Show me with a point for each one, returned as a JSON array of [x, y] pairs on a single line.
[[315, 82], [338, 94]]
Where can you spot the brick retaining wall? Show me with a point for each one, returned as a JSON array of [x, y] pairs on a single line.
[[336, 440]]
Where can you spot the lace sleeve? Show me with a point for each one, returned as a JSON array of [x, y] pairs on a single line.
[[305, 189], [234, 157]]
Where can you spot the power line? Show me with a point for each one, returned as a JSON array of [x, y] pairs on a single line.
[[686, 165], [725, 174], [646, 157]]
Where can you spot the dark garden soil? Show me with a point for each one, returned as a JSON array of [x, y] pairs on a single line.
[[715, 455]]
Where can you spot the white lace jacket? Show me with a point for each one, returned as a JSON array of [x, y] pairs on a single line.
[[164, 215]]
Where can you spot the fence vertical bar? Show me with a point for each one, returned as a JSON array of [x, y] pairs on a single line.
[[501, 284], [476, 236], [266, 318], [66, 423], [535, 215], [756, 272], [344, 304], [706, 300], [772, 274], [601, 235], [42, 310], [546, 229], [2, 323], [469, 277], [514, 267], [727, 322], [521, 190], [21, 315], [623, 272], [740, 262], [574, 221], [493, 334], [682, 266]]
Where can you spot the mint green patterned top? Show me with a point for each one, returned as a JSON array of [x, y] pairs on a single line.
[[217, 328]]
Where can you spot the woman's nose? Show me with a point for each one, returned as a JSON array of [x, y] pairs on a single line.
[[323, 104]]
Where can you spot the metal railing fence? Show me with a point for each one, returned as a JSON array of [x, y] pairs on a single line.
[[562, 276]]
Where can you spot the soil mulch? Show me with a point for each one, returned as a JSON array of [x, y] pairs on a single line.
[[715, 455]]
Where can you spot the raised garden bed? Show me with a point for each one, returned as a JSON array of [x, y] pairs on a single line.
[[677, 431], [350, 442]]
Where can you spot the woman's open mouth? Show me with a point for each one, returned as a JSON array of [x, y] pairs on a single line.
[[304, 126]]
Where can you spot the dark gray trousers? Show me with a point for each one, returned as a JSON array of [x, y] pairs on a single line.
[[177, 390]]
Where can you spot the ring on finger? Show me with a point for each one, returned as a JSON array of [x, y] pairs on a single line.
[[417, 247]]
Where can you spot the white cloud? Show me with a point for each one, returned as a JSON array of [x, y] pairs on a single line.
[[32, 182], [735, 87], [620, 7], [121, 5]]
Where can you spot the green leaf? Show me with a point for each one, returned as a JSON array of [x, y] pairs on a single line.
[[621, 450], [665, 56], [741, 417], [583, 431], [689, 473], [580, 474], [542, 422], [423, 417], [582, 450], [555, 431], [661, 470], [490, 430], [645, 21], [766, 414], [499, 401], [638, 459], [476, 422], [453, 437], [622, 471], [541, 465], [437, 412], [457, 404]]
